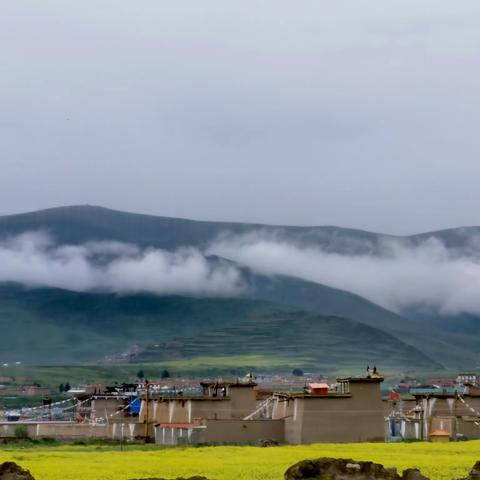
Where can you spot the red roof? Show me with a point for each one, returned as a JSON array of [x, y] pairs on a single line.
[[318, 385]]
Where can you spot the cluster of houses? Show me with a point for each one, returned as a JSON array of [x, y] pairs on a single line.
[[445, 412], [8, 388], [233, 411], [238, 411]]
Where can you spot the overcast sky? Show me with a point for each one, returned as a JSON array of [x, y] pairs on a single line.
[[359, 113]]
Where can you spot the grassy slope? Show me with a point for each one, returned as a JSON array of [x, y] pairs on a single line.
[[436, 461], [55, 326], [456, 349], [315, 341]]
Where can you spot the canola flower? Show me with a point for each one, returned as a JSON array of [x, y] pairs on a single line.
[[70, 462]]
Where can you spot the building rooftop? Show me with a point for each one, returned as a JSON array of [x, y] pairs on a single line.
[[369, 379], [318, 385], [237, 383], [310, 395], [439, 433]]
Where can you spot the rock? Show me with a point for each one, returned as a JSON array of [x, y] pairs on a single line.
[[347, 469], [474, 472], [269, 443], [413, 474], [12, 471]]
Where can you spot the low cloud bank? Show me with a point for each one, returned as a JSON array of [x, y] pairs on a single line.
[[34, 259], [401, 276]]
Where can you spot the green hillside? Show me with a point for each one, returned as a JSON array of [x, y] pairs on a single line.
[[79, 224], [104, 321], [51, 326], [323, 299], [451, 341], [297, 338]]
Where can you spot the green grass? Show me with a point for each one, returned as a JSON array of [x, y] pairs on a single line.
[[86, 327], [221, 366], [52, 376], [68, 462]]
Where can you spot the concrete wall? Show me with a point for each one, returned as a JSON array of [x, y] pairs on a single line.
[[179, 436], [212, 409], [58, 430], [243, 401], [129, 431], [243, 431], [247, 432], [356, 417], [452, 415], [77, 431], [240, 402], [178, 410], [103, 407]]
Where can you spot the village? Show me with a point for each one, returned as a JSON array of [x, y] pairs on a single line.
[[261, 410]]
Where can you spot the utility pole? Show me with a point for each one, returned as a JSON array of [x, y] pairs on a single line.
[[146, 410]]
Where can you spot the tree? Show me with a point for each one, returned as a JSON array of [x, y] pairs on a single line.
[[67, 387], [297, 372], [61, 388], [140, 374], [165, 374]]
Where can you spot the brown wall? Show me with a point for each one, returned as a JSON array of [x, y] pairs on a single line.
[[60, 431], [244, 401], [240, 403], [452, 415], [354, 418], [243, 431], [185, 410], [102, 407]]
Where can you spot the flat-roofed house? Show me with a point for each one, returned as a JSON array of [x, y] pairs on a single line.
[[352, 412]]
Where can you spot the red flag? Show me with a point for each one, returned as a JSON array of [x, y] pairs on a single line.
[[394, 395]]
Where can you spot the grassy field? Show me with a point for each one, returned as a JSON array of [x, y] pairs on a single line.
[[437, 461], [238, 365], [221, 366]]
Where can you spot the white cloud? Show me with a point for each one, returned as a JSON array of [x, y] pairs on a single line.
[[399, 276], [402, 276], [34, 259]]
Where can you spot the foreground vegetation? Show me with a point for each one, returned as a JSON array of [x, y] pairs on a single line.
[[102, 462]]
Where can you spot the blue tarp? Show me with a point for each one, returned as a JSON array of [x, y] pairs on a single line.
[[135, 407]]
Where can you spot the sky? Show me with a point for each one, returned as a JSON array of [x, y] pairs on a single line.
[[360, 114]]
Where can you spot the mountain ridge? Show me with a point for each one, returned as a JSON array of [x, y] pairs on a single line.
[[80, 224], [99, 208]]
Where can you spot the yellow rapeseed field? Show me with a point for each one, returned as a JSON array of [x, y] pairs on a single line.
[[438, 461]]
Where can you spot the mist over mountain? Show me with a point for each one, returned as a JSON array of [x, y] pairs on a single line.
[[436, 271], [414, 288]]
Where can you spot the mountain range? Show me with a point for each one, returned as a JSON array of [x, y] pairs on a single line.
[[285, 319]]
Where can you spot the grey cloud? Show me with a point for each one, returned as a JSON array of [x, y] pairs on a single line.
[[356, 114]]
